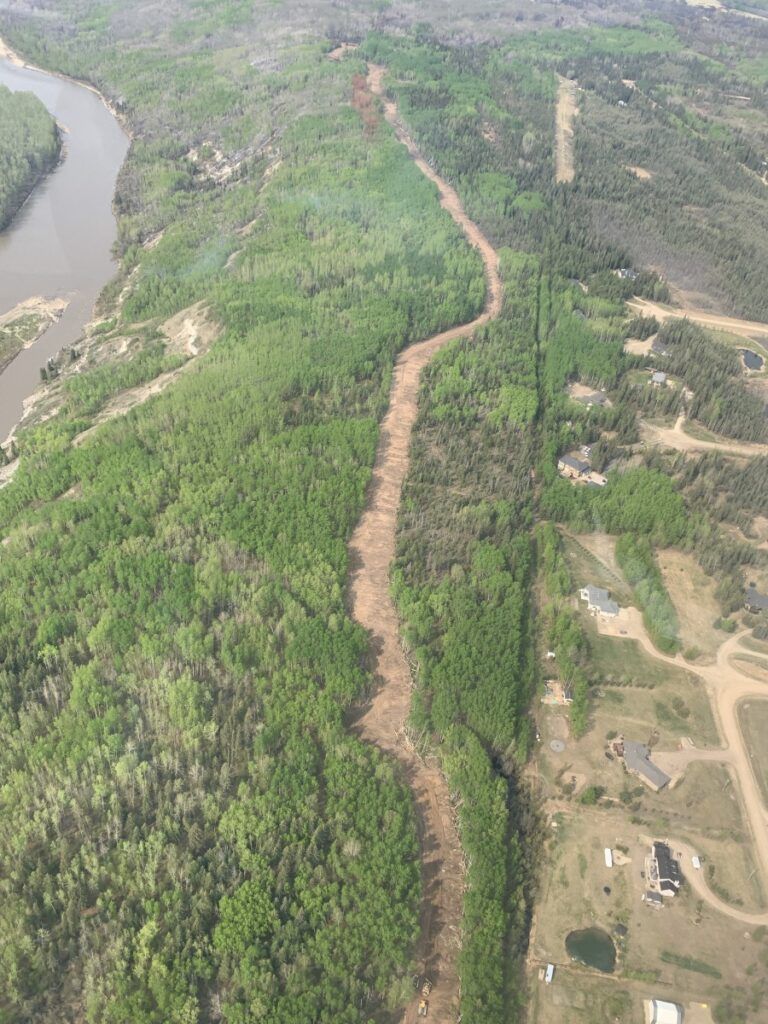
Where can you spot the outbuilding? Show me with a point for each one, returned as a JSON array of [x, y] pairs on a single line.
[[659, 1011]]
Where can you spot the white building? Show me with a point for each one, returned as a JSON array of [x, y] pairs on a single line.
[[658, 1011]]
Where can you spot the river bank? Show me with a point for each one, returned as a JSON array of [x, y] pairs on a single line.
[[58, 250], [11, 55]]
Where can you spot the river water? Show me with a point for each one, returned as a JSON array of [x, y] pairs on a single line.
[[60, 242]]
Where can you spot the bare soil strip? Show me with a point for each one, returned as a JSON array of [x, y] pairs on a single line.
[[567, 110], [372, 549]]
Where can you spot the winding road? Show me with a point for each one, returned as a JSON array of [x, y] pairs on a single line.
[[676, 437], [372, 549]]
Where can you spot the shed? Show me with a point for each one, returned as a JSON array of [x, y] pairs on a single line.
[[659, 1011], [608, 857], [550, 974]]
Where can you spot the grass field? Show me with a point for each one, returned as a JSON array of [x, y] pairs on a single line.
[[753, 719], [693, 594]]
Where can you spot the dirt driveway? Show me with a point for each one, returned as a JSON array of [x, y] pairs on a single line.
[[371, 551], [676, 437]]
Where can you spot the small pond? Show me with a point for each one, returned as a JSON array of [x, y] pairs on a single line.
[[593, 947], [752, 360]]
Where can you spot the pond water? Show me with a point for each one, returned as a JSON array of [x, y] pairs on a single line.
[[60, 242], [593, 947], [752, 360]]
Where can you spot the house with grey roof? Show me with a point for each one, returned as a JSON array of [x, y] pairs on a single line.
[[637, 760], [754, 601], [659, 379], [599, 601]]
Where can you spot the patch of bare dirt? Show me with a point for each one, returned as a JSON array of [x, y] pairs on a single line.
[[637, 347], [639, 172], [341, 50], [372, 548], [189, 333], [567, 109]]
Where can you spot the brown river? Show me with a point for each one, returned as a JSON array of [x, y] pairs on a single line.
[[60, 242]]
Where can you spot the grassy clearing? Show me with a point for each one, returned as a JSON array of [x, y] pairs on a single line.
[[753, 719], [693, 595]]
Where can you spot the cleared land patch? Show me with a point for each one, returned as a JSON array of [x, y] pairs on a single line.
[[566, 112], [693, 595]]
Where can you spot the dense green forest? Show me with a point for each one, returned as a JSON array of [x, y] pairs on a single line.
[[188, 829], [29, 147]]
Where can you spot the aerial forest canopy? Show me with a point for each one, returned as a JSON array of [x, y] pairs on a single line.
[[29, 147], [190, 830]]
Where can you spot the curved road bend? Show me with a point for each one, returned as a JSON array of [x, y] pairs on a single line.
[[372, 549], [727, 688]]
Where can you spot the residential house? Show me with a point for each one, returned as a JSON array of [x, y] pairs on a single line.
[[599, 601], [572, 467], [664, 870], [754, 601], [637, 760]]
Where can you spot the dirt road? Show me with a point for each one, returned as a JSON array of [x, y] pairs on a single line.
[[567, 110], [727, 688], [676, 437], [372, 550], [730, 324]]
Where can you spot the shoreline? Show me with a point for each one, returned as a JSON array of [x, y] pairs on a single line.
[[13, 57]]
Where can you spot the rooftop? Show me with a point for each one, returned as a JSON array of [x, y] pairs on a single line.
[[662, 1012], [637, 758], [754, 599], [598, 598], [659, 377], [574, 463]]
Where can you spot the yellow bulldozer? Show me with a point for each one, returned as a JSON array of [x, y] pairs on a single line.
[[426, 988]]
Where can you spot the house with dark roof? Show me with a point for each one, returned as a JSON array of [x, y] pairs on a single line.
[[664, 870], [599, 601], [573, 467], [637, 760], [754, 601]]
